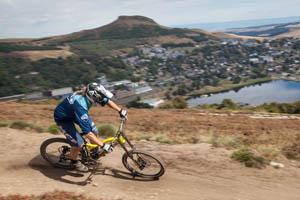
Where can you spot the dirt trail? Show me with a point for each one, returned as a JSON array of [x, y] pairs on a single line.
[[194, 171]]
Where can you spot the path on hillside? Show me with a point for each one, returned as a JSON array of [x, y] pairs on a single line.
[[194, 171]]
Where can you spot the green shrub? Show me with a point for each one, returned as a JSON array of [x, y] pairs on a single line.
[[136, 104], [36, 128], [269, 152], [231, 144], [145, 137], [4, 123], [214, 141], [228, 104], [21, 125], [177, 103], [163, 139], [247, 157], [106, 130], [292, 151], [53, 128], [228, 143], [195, 140]]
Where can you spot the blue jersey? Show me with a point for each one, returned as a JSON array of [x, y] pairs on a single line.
[[75, 108]]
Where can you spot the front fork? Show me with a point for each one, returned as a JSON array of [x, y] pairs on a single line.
[[140, 162], [132, 147]]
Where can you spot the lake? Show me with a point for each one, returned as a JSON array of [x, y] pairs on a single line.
[[274, 91]]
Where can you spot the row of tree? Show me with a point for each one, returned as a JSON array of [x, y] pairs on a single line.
[[22, 76]]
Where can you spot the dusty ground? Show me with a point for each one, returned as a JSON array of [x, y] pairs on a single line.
[[194, 171]]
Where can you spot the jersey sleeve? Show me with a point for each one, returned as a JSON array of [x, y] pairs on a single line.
[[105, 101], [83, 119]]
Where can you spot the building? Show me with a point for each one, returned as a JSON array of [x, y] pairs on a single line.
[[61, 92], [142, 89], [123, 82]]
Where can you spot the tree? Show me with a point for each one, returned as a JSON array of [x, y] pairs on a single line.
[[136, 104], [177, 102], [236, 80], [228, 104]]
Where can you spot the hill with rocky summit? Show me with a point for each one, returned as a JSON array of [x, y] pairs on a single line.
[[124, 27]]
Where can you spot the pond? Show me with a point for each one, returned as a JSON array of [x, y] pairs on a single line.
[[274, 91]]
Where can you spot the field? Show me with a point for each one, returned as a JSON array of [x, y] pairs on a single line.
[[196, 146]]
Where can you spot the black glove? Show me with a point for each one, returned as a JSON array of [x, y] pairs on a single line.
[[123, 114]]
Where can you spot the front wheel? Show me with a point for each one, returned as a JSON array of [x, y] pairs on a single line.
[[142, 163]]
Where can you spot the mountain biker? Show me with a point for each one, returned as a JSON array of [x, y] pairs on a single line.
[[74, 109]]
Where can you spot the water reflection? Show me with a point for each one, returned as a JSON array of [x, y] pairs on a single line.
[[273, 91]]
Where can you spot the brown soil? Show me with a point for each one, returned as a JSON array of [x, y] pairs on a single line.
[[194, 171]]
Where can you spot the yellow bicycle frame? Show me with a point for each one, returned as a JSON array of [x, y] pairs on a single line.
[[111, 139]]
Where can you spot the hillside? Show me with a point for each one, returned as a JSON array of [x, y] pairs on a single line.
[[69, 60], [204, 166], [272, 30]]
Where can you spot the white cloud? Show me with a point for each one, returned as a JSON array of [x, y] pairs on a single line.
[[36, 18]]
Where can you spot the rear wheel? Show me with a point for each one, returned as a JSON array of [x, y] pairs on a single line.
[[57, 152], [141, 163]]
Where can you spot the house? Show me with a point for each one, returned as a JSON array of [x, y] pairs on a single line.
[[254, 60], [142, 89], [61, 92], [267, 58], [123, 82]]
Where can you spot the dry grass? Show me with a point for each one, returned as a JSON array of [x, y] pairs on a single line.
[[169, 39], [182, 126], [38, 55]]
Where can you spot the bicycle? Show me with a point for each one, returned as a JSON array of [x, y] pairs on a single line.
[[138, 162]]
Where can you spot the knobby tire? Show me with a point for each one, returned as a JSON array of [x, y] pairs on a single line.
[[135, 170]]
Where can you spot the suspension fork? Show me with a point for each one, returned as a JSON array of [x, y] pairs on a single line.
[[120, 133], [123, 144]]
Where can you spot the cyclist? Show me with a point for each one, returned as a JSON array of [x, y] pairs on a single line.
[[74, 109]]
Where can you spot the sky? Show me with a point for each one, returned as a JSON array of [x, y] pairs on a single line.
[[42, 18]]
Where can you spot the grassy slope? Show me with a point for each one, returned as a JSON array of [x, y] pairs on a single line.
[[178, 125]]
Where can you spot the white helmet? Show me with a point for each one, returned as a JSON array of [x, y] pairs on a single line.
[[96, 93]]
